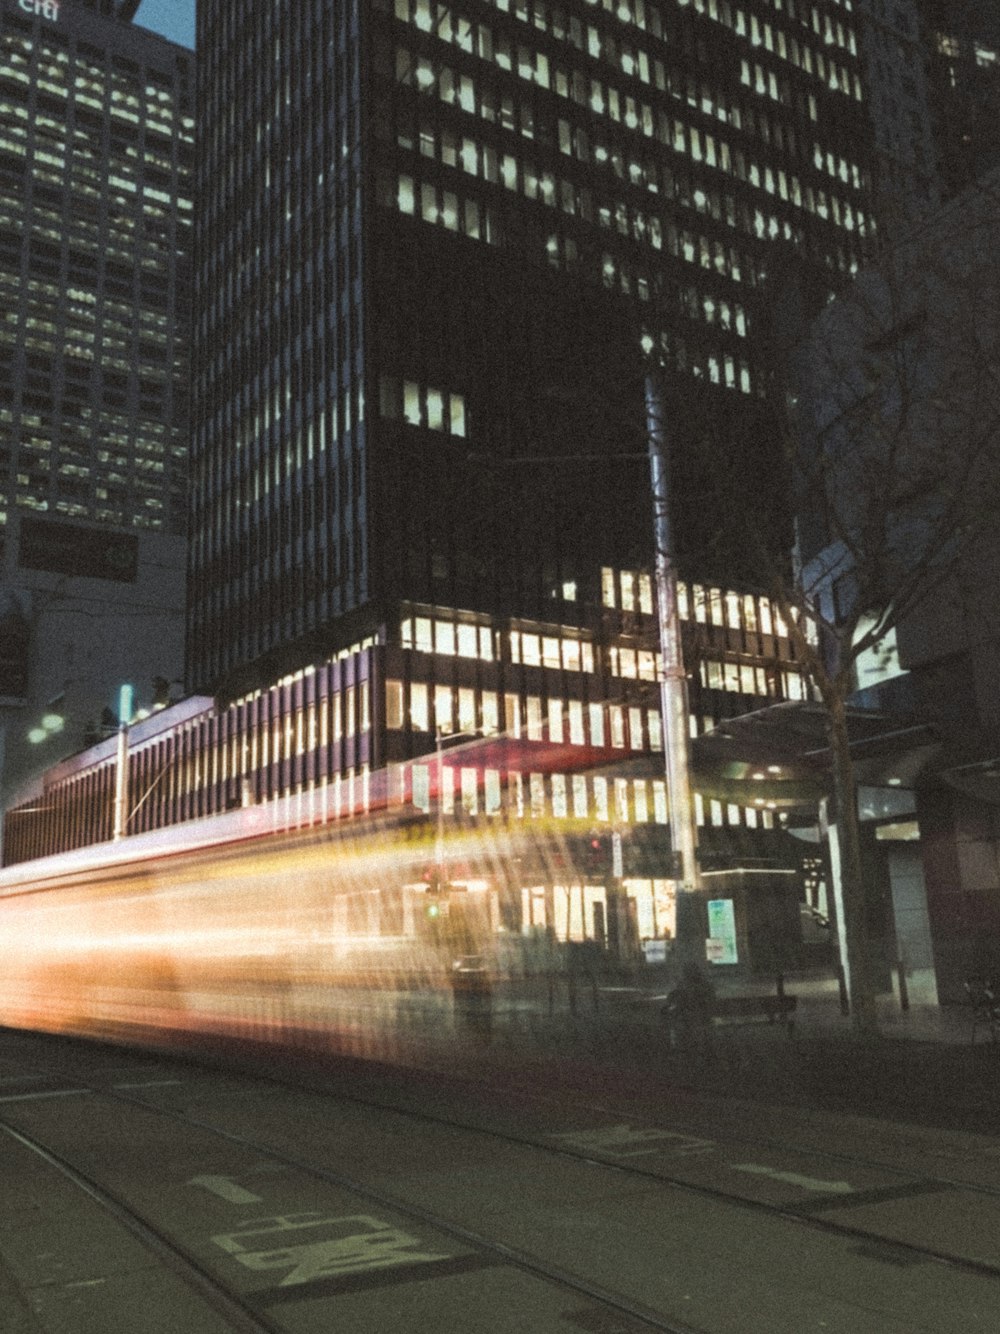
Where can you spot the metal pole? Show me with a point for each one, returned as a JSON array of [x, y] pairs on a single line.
[[439, 839], [121, 784], [120, 824], [673, 686]]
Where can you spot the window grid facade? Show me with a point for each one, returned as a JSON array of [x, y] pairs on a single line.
[[96, 142], [582, 741], [408, 210]]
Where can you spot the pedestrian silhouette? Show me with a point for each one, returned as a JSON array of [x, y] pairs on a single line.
[[689, 1012]]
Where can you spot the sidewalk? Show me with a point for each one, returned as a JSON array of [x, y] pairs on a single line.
[[818, 1012], [922, 1067]]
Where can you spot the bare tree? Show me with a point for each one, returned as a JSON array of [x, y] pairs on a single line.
[[892, 444]]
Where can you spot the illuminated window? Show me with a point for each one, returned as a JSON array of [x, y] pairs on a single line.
[[466, 709], [423, 635], [534, 718], [443, 716], [641, 799], [491, 716], [512, 714], [607, 587], [393, 704], [601, 798], [616, 724], [444, 638], [555, 720], [411, 403], [468, 641], [576, 730], [470, 791], [596, 724], [571, 655], [635, 728], [457, 414]]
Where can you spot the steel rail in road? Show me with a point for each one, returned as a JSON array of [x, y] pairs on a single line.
[[245, 1319], [792, 1211], [802, 1215], [242, 1318]]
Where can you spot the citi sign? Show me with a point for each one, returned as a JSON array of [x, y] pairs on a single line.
[[47, 9]]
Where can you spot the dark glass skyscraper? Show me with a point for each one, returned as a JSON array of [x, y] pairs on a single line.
[[963, 49], [433, 240], [96, 139]]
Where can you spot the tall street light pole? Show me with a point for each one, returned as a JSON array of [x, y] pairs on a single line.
[[673, 683]]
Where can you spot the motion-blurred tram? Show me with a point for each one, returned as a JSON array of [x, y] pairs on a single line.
[[352, 934]]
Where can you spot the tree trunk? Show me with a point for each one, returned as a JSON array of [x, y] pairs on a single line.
[[864, 1017]]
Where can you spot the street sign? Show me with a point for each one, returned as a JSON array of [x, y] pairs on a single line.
[[720, 947]]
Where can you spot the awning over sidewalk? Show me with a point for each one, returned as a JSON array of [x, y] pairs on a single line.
[[783, 751]]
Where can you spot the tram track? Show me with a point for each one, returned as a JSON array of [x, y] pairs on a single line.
[[865, 1239], [837, 1156], [244, 1316], [809, 1215], [785, 1211]]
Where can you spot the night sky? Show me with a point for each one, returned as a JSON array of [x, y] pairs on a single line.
[[170, 18]]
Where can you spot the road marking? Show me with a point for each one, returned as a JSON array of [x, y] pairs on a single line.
[[150, 1084], [795, 1179], [28, 1097], [353, 1244], [880, 1195], [624, 1141], [227, 1189]]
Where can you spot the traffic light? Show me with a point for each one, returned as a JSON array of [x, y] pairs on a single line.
[[597, 855], [433, 893]]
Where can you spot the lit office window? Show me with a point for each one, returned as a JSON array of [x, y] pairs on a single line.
[[394, 705], [534, 718], [443, 715]]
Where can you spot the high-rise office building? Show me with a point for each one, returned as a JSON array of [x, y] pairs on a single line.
[[896, 92], [962, 41], [433, 240], [96, 145]]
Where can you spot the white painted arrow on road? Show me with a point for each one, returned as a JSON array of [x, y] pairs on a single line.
[[227, 1189], [795, 1179]]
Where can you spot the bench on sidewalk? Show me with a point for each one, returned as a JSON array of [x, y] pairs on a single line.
[[747, 1009]]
